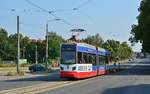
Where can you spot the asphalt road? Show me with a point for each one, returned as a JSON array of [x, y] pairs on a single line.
[[135, 80], [23, 82]]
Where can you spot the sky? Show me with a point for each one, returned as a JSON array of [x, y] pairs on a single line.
[[112, 19]]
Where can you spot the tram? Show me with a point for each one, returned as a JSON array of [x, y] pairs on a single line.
[[81, 60]]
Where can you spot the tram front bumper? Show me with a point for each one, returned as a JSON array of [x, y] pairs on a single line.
[[66, 74]]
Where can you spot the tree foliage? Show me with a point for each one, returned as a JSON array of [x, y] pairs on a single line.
[[95, 40], [8, 47], [141, 31], [54, 44], [118, 50]]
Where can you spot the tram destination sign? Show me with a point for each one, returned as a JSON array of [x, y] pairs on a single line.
[[68, 47]]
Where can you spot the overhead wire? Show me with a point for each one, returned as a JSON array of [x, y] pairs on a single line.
[[31, 3], [23, 10], [82, 5], [49, 12]]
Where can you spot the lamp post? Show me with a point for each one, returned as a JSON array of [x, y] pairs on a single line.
[[36, 54], [46, 63], [18, 44]]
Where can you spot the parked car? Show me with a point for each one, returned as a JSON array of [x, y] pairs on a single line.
[[37, 67], [130, 60]]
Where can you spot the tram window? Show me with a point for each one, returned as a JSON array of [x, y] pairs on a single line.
[[89, 59], [92, 59], [85, 58], [107, 60], [101, 60], [80, 57]]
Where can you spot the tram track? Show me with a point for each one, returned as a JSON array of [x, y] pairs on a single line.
[[34, 89], [38, 88]]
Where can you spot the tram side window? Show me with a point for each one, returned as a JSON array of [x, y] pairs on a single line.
[[104, 59], [85, 58], [107, 60], [92, 59], [80, 57], [101, 60], [89, 59]]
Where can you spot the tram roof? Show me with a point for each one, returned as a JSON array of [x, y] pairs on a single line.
[[84, 47], [81, 45], [101, 49]]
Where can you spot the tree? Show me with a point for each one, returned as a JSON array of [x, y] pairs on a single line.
[[124, 51], [113, 47], [8, 47], [3, 42], [54, 45], [11, 48], [3, 36], [30, 51], [141, 31], [118, 50], [31, 48], [95, 40]]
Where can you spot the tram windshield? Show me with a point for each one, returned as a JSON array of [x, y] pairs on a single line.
[[68, 54], [68, 57]]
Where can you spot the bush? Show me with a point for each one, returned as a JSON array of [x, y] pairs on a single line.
[[24, 65], [1, 61], [49, 61], [7, 65], [13, 65], [13, 73]]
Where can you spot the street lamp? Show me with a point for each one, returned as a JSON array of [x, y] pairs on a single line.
[[46, 63], [36, 54], [18, 44]]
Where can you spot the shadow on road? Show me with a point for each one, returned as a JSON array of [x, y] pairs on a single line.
[[133, 89], [47, 77], [140, 69]]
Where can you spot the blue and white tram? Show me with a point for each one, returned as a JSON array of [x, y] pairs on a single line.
[[81, 60]]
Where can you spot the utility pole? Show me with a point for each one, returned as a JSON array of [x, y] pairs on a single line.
[[18, 44], [36, 54], [46, 63], [46, 38]]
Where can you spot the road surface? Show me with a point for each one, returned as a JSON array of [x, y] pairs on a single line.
[[135, 80], [23, 82]]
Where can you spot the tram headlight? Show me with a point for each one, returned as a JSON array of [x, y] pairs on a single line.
[[73, 68]]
